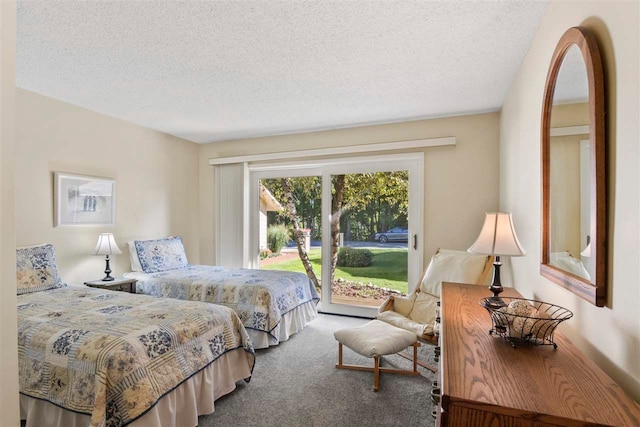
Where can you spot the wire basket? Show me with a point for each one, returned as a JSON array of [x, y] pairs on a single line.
[[524, 321]]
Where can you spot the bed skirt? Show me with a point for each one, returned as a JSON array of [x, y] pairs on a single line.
[[179, 408], [290, 323]]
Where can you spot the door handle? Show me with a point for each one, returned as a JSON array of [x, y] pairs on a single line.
[[415, 241]]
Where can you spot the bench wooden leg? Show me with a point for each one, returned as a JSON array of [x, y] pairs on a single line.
[[419, 362], [376, 373], [376, 369]]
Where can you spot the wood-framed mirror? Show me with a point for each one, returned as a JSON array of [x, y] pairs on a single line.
[[574, 207]]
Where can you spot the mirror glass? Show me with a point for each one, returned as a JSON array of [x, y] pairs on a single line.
[[569, 177]]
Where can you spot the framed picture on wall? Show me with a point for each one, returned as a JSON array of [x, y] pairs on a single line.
[[83, 200]]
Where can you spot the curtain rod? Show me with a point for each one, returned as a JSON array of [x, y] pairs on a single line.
[[351, 149]]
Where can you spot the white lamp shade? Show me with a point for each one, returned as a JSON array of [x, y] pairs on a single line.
[[586, 252], [497, 237], [106, 245]]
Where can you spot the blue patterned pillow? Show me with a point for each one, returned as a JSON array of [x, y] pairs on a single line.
[[161, 254], [36, 269]]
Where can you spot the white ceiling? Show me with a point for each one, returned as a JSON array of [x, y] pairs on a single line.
[[218, 70], [572, 84]]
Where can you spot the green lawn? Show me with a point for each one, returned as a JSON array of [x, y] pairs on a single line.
[[388, 269]]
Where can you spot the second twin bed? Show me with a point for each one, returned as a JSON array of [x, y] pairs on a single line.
[[273, 305]]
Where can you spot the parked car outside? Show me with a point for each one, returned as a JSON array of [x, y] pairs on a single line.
[[396, 234]]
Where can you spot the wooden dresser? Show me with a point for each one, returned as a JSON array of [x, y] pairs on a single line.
[[486, 382]]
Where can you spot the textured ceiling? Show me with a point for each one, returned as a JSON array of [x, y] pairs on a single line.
[[572, 84], [218, 70]]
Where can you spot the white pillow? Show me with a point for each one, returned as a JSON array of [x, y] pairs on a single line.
[[424, 309], [452, 266], [404, 305], [402, 322], [133, 256], [566, 262]]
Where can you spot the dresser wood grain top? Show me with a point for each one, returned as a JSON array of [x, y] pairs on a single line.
[[539, 383]]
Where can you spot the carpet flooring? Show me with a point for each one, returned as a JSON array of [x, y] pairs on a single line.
[[296, 384]]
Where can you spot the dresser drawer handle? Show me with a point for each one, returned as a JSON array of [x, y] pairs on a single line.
[[435, 395]]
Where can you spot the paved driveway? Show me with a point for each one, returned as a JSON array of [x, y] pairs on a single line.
[[316, 244]]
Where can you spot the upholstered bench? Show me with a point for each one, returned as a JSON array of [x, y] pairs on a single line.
[[374, 340]]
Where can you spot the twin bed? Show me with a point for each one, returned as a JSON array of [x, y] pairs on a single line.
[[273, 305], [92, 357]]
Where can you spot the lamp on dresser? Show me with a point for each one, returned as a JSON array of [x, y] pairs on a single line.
[[498, 238], [107, 246]]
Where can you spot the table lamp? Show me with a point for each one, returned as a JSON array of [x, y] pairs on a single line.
[[107, 246], [497, 238]]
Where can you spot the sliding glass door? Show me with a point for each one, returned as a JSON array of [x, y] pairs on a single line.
[[369, 237], [351, 225]]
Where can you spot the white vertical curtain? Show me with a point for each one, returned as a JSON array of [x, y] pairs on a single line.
[[231, 214]]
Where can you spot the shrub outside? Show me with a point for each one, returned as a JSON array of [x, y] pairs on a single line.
[[265, 253], [354, 257], [277, 237]]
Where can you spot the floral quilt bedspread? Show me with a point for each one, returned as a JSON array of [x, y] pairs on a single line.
[[113, 355], [260, 297]]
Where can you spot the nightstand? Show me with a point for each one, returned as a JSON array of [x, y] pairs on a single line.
[[119, 284]]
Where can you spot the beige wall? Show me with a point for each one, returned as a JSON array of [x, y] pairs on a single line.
[[609, 335], [460, 182], [565, 195], [564, 200], [9, 415], [564, 115], [156, 178]]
